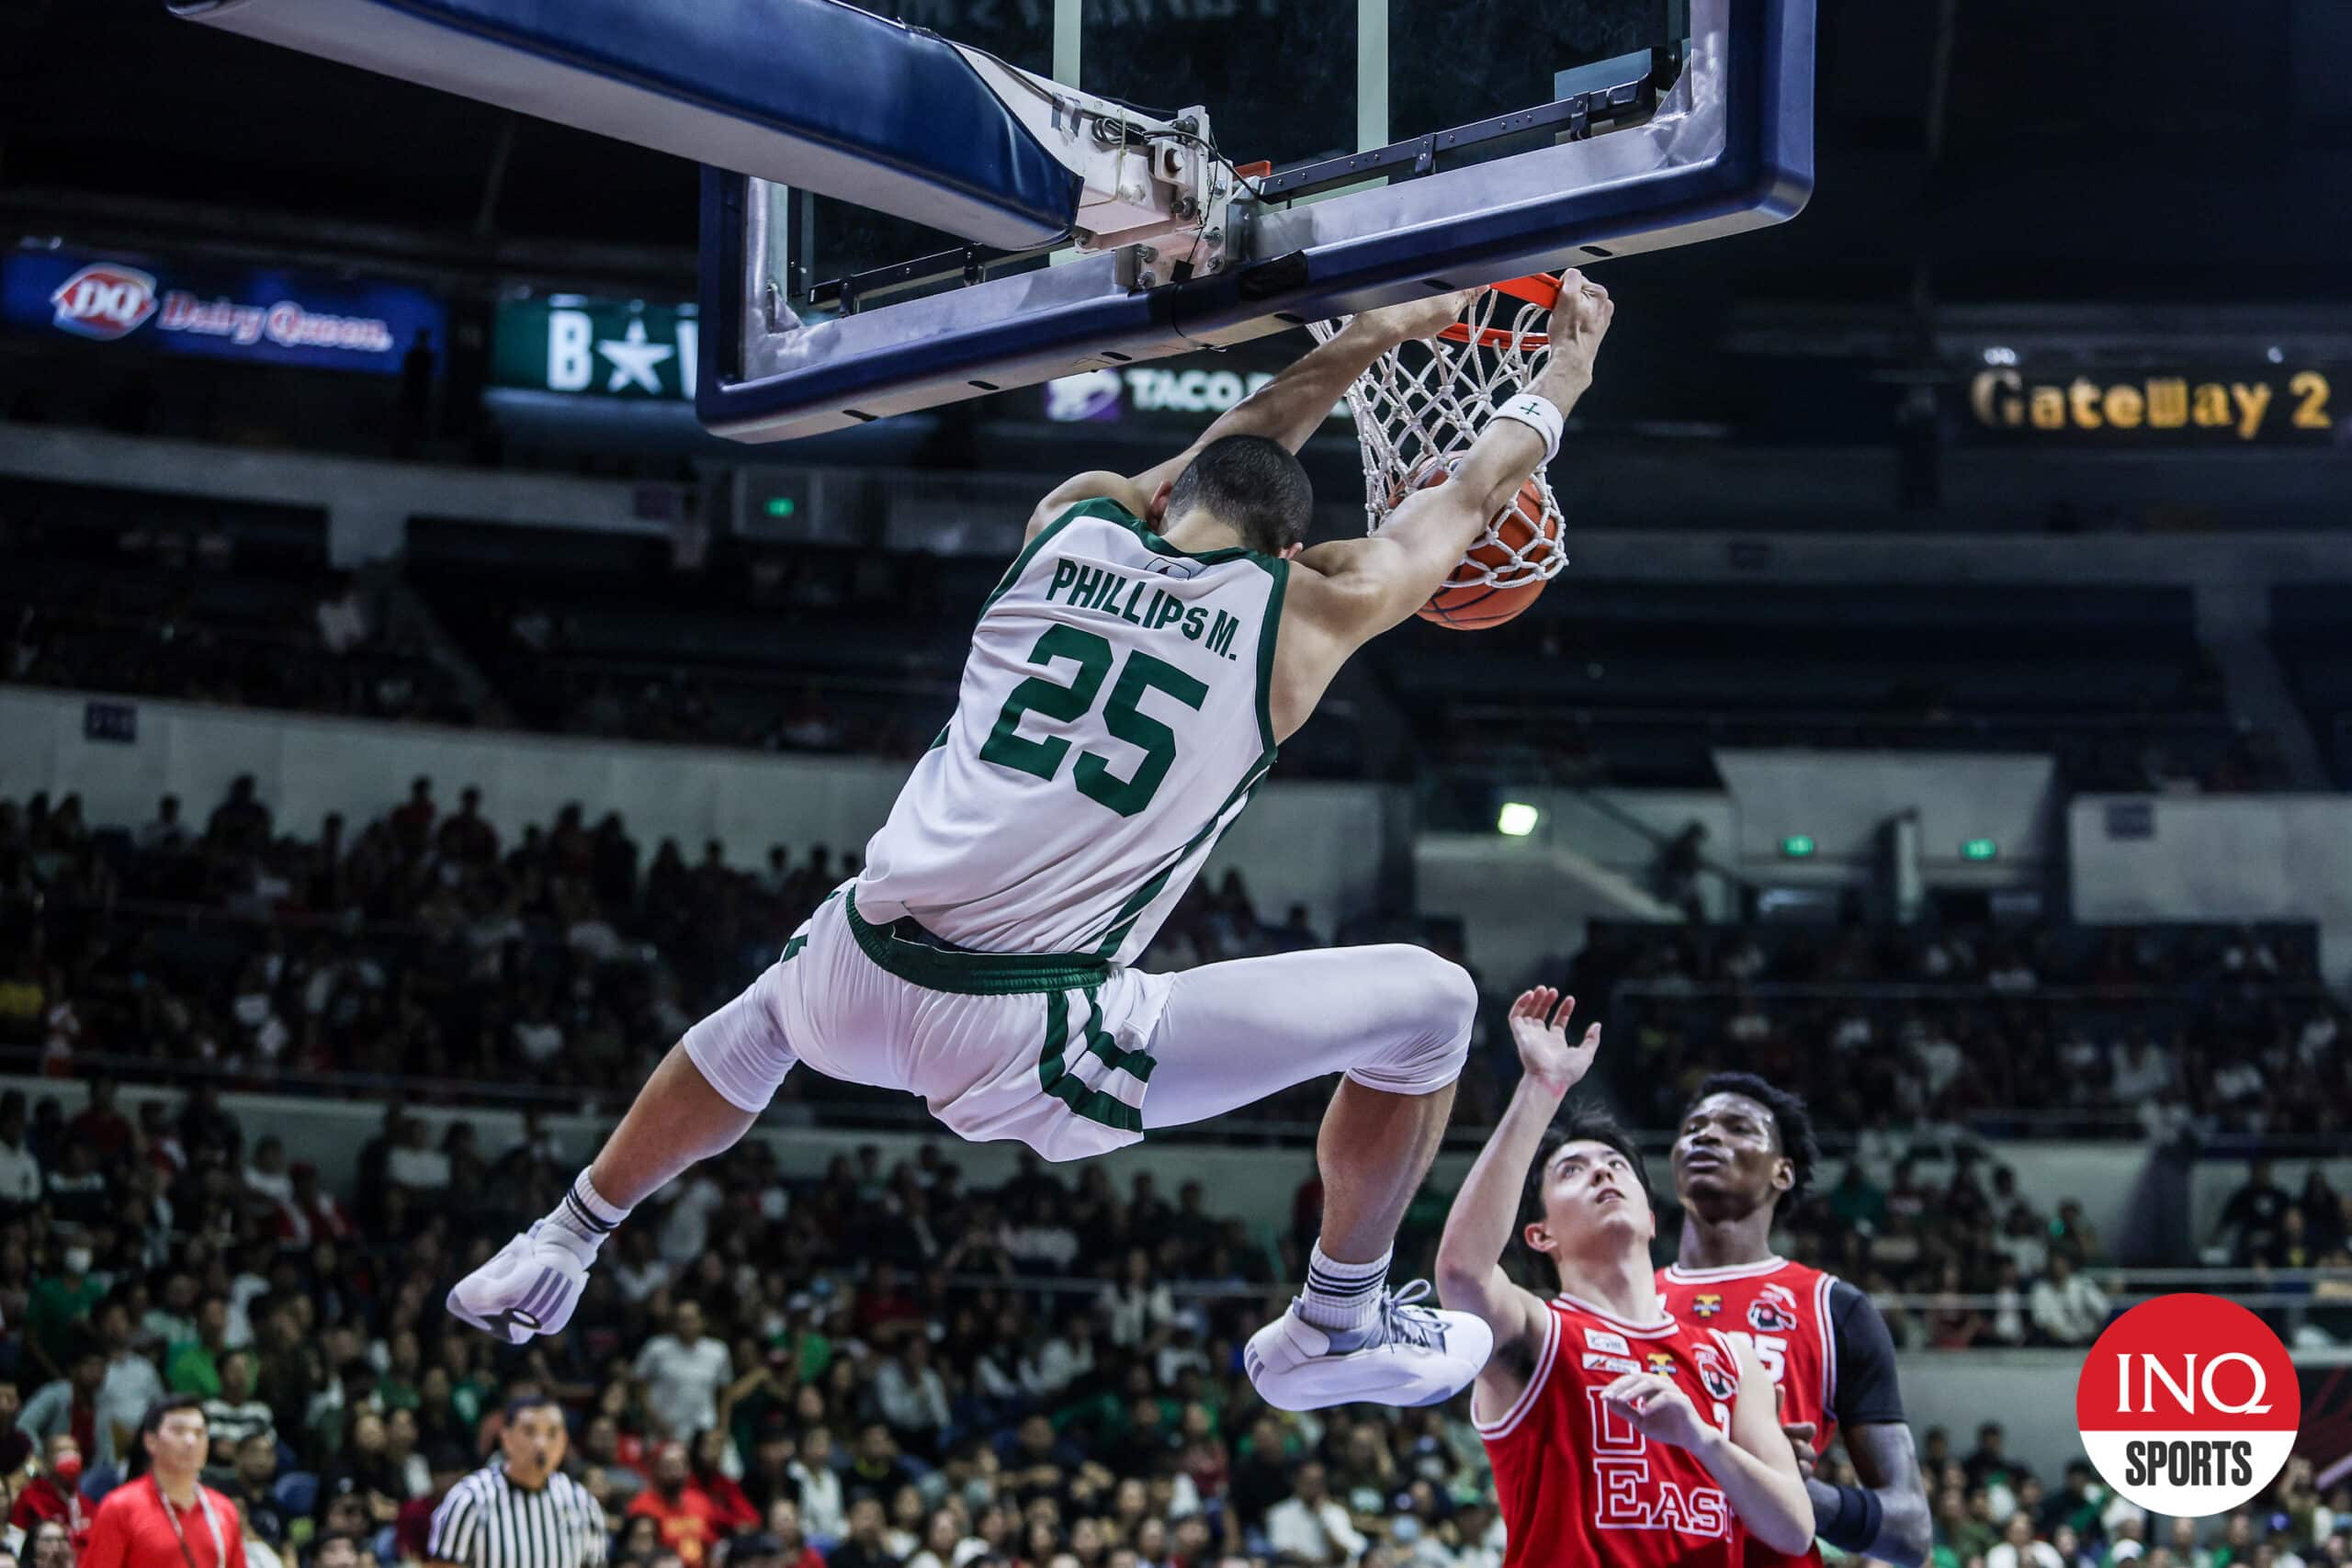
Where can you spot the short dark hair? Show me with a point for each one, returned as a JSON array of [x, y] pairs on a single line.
[[1792, 1123], [514, 1407], [319, 1543], [1252, 484], [153, 1421], [1585, 1124]]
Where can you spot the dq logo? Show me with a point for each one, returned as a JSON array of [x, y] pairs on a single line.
[[1706, 1305], [1773, 1312], [104, 301]]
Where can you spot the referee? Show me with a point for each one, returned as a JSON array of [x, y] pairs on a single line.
[[523, 1513]]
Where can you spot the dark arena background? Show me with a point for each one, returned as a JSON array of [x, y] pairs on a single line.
[[411, 721]]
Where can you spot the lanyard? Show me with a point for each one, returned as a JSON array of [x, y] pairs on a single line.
[[219, 1547]]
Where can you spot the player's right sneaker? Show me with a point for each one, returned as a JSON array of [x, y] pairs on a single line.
[[1410, 1355], [530, 1287]]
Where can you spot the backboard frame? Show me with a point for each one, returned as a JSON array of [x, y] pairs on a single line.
[[1729, 148]]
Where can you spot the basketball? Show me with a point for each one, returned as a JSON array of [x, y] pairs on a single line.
[[1467, 603]]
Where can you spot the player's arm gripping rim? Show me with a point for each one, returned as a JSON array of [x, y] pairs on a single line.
[[1288, 409], [1376, 582], [1470, 1277]]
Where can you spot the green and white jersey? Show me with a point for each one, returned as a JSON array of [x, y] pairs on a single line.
[[1113, 721]]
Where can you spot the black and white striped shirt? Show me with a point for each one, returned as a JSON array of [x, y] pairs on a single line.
[[487, 1521]]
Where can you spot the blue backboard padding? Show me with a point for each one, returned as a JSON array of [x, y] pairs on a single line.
[[1765, 173], [932, 142]]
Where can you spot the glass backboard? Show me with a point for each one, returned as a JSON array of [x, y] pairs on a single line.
[[1407, 144]]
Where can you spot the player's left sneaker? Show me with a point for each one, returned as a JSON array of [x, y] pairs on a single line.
[[1410, 1355], [530, 1287]]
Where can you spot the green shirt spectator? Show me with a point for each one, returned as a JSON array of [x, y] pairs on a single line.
[[59, 1304], [193, 1368]]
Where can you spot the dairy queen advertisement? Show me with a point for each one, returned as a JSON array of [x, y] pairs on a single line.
[[129, 303]]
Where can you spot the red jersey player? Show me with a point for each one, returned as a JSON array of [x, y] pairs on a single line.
[[1619, 1436], [1745, 1149]]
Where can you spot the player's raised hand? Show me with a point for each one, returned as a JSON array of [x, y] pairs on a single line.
[[1539, 1027], [1660, 1410], [1417, 320], [1580, 319]]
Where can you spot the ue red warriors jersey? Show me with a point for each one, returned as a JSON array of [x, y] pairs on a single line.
[[1783, 1309], [1577, 1485]]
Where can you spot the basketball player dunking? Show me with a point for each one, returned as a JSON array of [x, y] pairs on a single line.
[[1129, 682], [1619, 1434], [1743, 1150]]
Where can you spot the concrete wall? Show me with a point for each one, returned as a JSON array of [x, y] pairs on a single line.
[[2272, 857], [1840, 799]]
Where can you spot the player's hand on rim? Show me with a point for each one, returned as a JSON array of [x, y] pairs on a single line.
[[1659, 1409], [1580, 319], [1539, 1027]]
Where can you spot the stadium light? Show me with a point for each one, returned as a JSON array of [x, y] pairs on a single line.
[[1517, 818]]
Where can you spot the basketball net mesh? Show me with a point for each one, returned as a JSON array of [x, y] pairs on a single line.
[[1420, 405]]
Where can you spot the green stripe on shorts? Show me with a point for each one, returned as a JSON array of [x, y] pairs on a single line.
[[1056, 1079]]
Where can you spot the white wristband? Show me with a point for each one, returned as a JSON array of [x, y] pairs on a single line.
[[1540, 415]]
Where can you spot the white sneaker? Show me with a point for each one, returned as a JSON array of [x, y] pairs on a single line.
[[530, 1286], [1410, 1355]]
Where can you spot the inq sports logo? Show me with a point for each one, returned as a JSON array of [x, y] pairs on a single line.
[[2188, 1405]]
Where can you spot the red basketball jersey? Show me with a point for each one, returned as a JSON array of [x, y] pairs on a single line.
[[1577, 1485], [1783, 1308]]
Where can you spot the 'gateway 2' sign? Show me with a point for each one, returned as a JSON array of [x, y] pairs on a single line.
[[2286, 406]]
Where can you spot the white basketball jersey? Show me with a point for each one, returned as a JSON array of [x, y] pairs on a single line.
[[1113, 721]]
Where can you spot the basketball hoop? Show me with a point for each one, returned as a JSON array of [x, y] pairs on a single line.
[[1420, 405]]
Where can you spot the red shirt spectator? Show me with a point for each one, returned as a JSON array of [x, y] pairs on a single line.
[[167, 1519], [107, 1131], [684, 1513], [882, 1306], [411, 822], [56, 1494], [730, 1507], [312, 1215]]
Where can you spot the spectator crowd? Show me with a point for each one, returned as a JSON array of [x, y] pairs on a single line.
[[426, 943], [880, 1367], [2135, 1032]]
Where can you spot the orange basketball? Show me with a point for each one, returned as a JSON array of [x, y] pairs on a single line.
[[1467, 603]]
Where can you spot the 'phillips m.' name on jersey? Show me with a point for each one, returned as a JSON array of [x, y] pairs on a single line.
[[1139, 604]]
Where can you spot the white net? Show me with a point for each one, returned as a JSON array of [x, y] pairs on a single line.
[[1420, 407]]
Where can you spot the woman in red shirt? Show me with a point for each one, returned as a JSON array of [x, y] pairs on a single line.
[[734, 1510]]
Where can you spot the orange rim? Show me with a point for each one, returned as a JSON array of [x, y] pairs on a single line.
[[1538, 288]]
